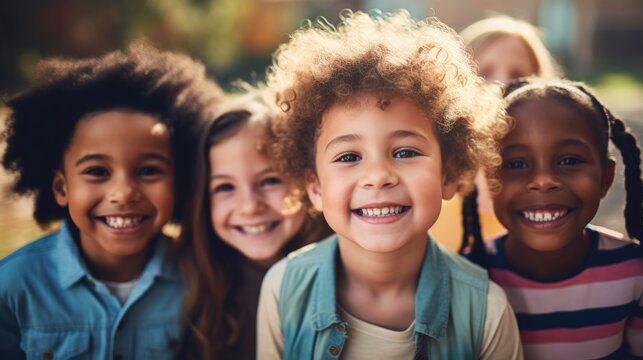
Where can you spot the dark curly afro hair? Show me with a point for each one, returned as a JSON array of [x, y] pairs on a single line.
[[41, 123]]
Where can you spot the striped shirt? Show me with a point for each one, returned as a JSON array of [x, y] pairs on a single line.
[[596, 312]]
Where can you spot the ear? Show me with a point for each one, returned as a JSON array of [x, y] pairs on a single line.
[[449, 187], [59, 186], [607, 178], [313, 188]]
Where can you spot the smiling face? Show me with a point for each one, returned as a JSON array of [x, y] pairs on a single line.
[[253, 208], [504, 59], [553, 176], [118, 183], [379, 178]]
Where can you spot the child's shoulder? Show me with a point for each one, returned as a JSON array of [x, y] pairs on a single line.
[[609, 239], [30, 260], [615, 250], [30, 253], [463, 270], [314, 252]]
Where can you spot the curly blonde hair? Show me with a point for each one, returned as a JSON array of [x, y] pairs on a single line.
[[391, 56]]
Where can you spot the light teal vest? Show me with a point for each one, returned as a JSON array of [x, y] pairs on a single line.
[[451, 304]]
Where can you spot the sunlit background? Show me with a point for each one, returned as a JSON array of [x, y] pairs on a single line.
[[597, 41]]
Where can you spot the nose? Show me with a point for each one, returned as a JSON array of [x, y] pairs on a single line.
[[379, 174], [124, 191], [252, 202], [544, 181]]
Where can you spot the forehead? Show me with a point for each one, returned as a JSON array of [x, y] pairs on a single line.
[[120, 130], [367, 110], [246, 143], [508, 48], [544, 120]]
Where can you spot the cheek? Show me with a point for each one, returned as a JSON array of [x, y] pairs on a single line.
[[163, 196], [276, 199], [219, 211]]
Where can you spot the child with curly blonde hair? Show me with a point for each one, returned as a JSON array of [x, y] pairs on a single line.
[[381, 122]]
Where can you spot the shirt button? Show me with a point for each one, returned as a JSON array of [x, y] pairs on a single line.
[[341, 328], [333, 350], [47, 355]]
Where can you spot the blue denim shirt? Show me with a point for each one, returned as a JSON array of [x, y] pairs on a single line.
[[52, 307], [450, 311]]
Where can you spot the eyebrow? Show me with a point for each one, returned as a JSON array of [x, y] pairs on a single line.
[[397, 134], [343, 139], [402, 134], [514, 147], [224, 176], [566, 142], [145, 156]]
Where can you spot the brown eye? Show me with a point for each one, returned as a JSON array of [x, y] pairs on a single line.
[[96, 171], [514, 164], [569, 161]]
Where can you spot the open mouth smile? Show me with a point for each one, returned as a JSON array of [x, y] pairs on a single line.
[[382, 211], [544, 215], [257, 229], [122, 222]]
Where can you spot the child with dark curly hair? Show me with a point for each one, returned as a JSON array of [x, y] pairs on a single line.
[[383, 120], [104, 144]]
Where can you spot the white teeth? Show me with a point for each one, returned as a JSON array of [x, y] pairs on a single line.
[[385, 211], [543, 216], [257, 229], [119, 222]]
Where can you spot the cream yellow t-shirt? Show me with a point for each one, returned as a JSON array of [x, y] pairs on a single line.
[[368, 341]]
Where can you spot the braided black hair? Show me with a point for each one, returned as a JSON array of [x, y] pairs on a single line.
[[611, 128]]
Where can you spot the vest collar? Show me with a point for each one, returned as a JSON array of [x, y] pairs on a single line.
[[432, 298], [324, 300]]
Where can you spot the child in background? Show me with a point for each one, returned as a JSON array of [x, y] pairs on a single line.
[[245, 216], [380, 124], [105, 145], [577, 289], [504, 49]]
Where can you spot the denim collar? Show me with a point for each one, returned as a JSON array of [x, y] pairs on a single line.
[[72, 268], [323, 302], [432, 297]]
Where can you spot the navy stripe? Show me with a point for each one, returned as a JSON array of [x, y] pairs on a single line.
[[576, 319], [638, 312], [596, 258], [610, 257]]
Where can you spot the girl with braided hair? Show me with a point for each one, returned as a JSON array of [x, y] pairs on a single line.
[[577, 289]]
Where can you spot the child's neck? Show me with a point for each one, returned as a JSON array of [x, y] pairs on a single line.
[[117, 268], [547, 265], [368, 283]]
